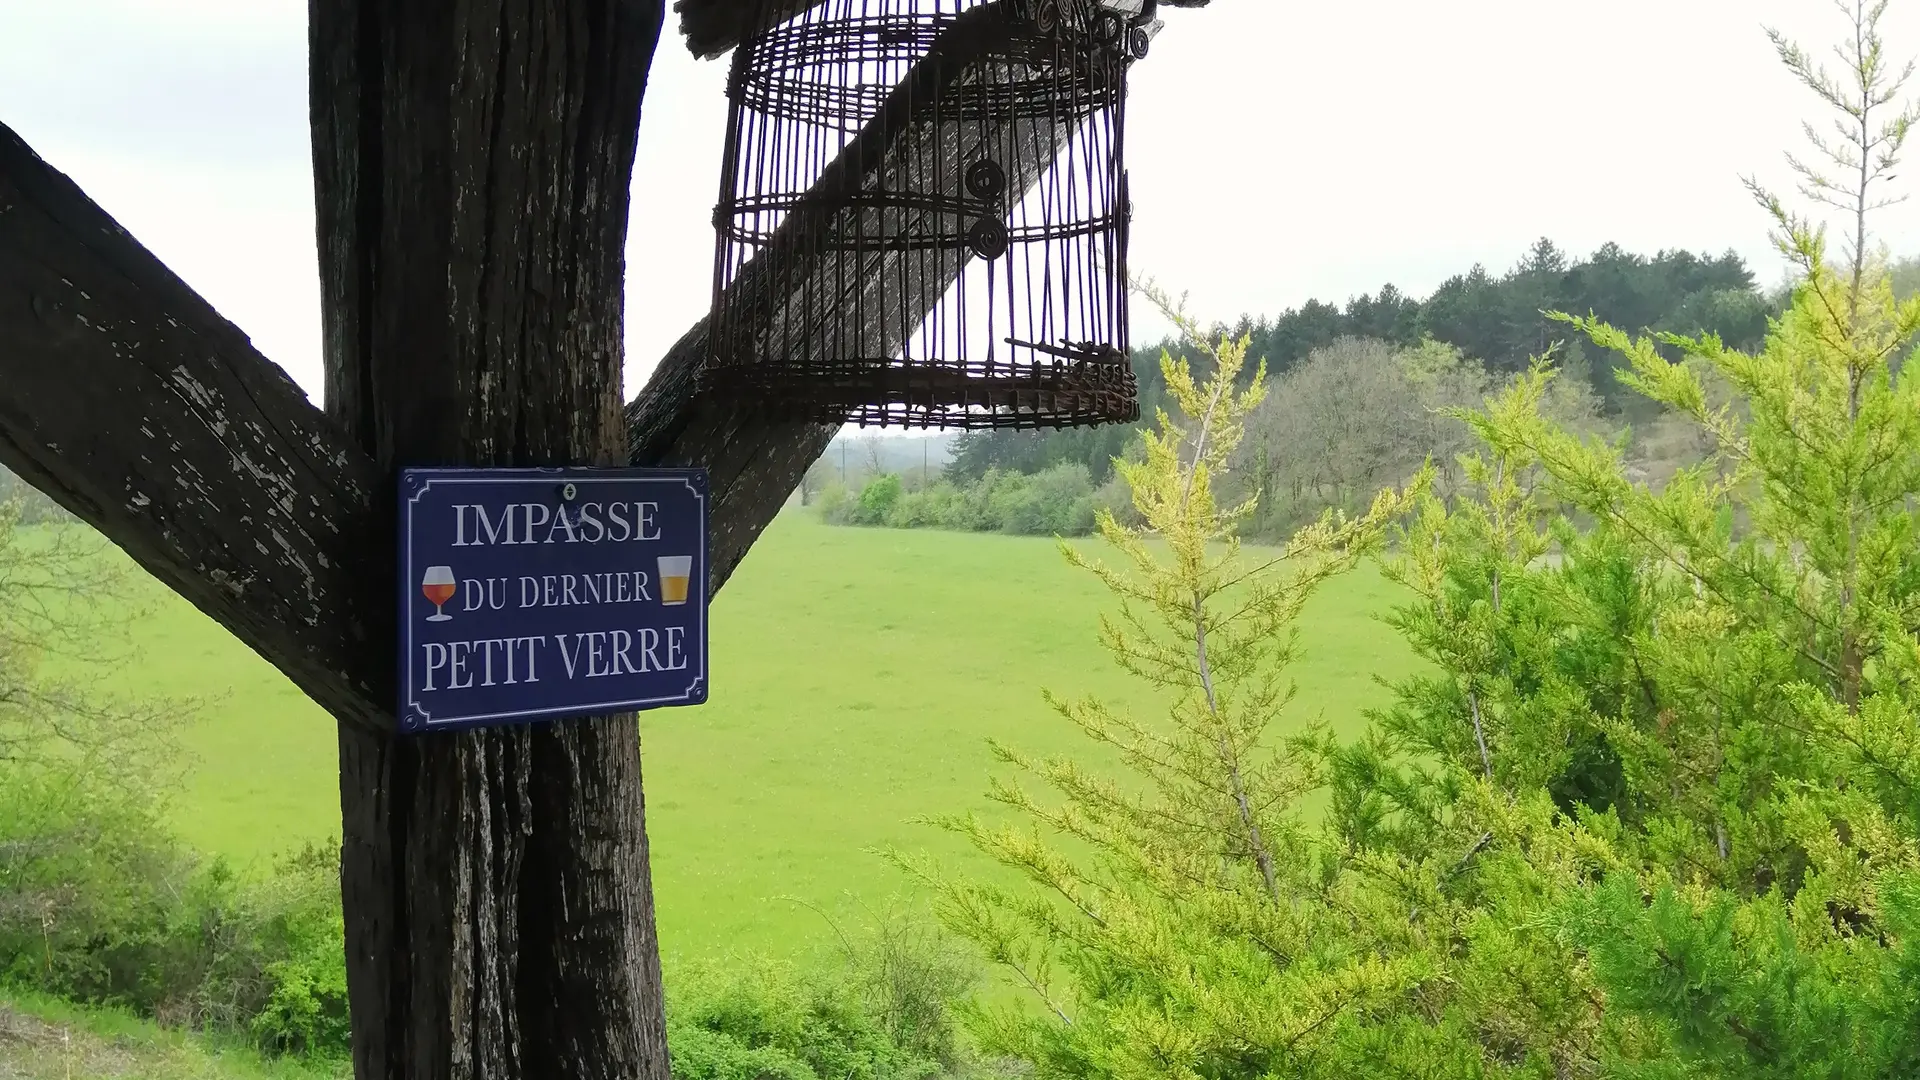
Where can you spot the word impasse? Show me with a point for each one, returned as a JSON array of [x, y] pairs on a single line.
[[523, 523]]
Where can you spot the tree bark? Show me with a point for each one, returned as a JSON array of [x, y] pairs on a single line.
[[471, 169]]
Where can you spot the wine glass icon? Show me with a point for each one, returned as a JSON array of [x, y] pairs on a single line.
[[438, 587]]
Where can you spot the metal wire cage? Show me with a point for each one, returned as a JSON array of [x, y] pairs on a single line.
[[923, 214]]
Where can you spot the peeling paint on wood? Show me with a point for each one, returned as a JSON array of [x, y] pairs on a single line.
[[158, 366]]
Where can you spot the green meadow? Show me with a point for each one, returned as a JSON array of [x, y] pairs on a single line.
[[857, 676]]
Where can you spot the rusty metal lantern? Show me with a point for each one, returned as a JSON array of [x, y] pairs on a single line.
[[923, 214]]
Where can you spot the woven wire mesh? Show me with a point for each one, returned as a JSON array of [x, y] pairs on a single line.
[[923, 216]]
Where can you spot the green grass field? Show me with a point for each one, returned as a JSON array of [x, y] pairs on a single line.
[[857, 675]]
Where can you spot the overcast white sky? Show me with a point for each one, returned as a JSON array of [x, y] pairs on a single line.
[[1279, 151]]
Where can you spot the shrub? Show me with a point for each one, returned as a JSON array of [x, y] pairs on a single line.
[[1117, 499], [294, 976], [835, 505], [940, 505], [1042, 504], [757, 1018], [100, 905], [1181, 914], [972, 510], [1065, 492], [1059, 501], [85, 881], [885, 1012], [876, 499]]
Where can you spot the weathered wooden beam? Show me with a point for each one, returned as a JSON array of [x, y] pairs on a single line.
[[131, 402], [711, 27], [471, 168]]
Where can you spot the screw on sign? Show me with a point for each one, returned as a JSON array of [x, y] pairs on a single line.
[[534, 594]]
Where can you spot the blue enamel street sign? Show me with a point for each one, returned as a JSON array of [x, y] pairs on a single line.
[[529, 594]]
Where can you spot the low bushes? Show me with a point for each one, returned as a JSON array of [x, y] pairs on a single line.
[[885, 1013], [1059, 501], [762, 1020], [99, 905]]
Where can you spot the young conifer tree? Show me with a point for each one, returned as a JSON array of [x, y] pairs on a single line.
[[1772, 928], [1183, 902]]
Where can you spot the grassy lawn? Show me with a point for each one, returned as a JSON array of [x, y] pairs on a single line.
[[857, 675]]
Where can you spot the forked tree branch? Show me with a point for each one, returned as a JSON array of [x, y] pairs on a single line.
[[131, 402]]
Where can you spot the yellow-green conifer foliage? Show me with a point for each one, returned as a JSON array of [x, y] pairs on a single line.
[[1181, 921]]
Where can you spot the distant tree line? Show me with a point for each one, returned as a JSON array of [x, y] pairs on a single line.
[[1494, 321], [1060, 500], [975, 453]]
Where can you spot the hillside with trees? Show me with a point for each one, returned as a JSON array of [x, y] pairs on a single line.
[[1359, 398], [1497, 321], [1362, 394]]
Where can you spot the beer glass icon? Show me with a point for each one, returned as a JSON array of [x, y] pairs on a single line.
[[437, 585], [675, 570]]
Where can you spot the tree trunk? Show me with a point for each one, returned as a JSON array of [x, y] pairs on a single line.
[[471, 171]]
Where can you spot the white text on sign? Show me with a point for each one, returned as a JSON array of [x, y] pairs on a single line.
[[556, 590], [460, 665], [538, 523]]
